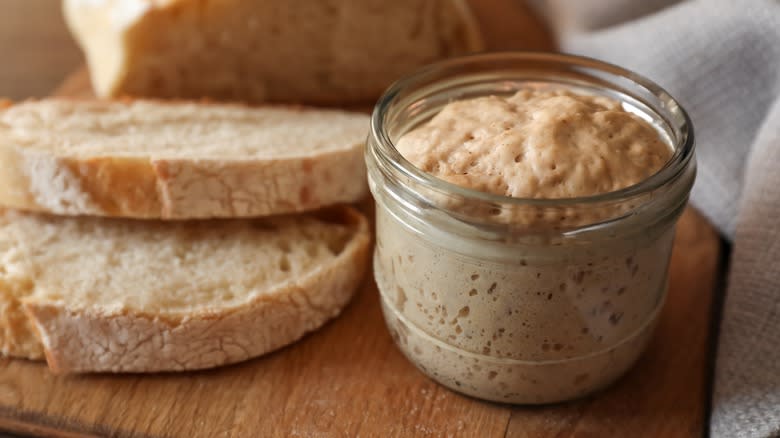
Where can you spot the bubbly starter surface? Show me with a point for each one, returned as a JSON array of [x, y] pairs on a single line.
[[537, 144]]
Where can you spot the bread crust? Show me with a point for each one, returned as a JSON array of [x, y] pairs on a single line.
[[17, 335], [94, 340], [166, 49], [135, 187]]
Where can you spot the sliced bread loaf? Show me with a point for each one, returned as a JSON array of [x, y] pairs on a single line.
[[149, 159], [323, 51], [140, 296]]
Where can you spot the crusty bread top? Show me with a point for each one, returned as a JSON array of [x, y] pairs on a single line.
[[163, 130], [323, 51]]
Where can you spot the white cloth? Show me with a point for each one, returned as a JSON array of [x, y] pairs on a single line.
[[721, 59]]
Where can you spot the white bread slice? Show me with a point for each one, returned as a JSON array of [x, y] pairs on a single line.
[[176, 160], [313, 51], [121, 295]]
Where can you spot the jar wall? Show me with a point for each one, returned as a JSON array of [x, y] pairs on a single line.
[[535, 324]]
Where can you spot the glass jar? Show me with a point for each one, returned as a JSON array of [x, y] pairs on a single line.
[[522, 300]]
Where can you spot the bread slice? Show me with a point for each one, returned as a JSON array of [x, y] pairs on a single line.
[[120, 295], [323, 51], [151, 159]]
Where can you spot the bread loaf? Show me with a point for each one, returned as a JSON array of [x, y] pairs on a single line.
[[323, 51]]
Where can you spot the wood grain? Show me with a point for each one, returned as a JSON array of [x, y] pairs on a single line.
[[348, 379]]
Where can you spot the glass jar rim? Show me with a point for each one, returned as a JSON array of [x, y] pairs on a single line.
[[677, 164]]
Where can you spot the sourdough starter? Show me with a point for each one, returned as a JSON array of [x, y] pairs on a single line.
[[534, 323]]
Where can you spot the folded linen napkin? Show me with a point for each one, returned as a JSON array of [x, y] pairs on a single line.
[[721, 59]]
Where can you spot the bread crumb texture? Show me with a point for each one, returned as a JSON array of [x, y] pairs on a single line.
[[126, 295]]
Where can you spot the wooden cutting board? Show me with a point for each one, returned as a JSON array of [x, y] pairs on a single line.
[[348, 379]]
